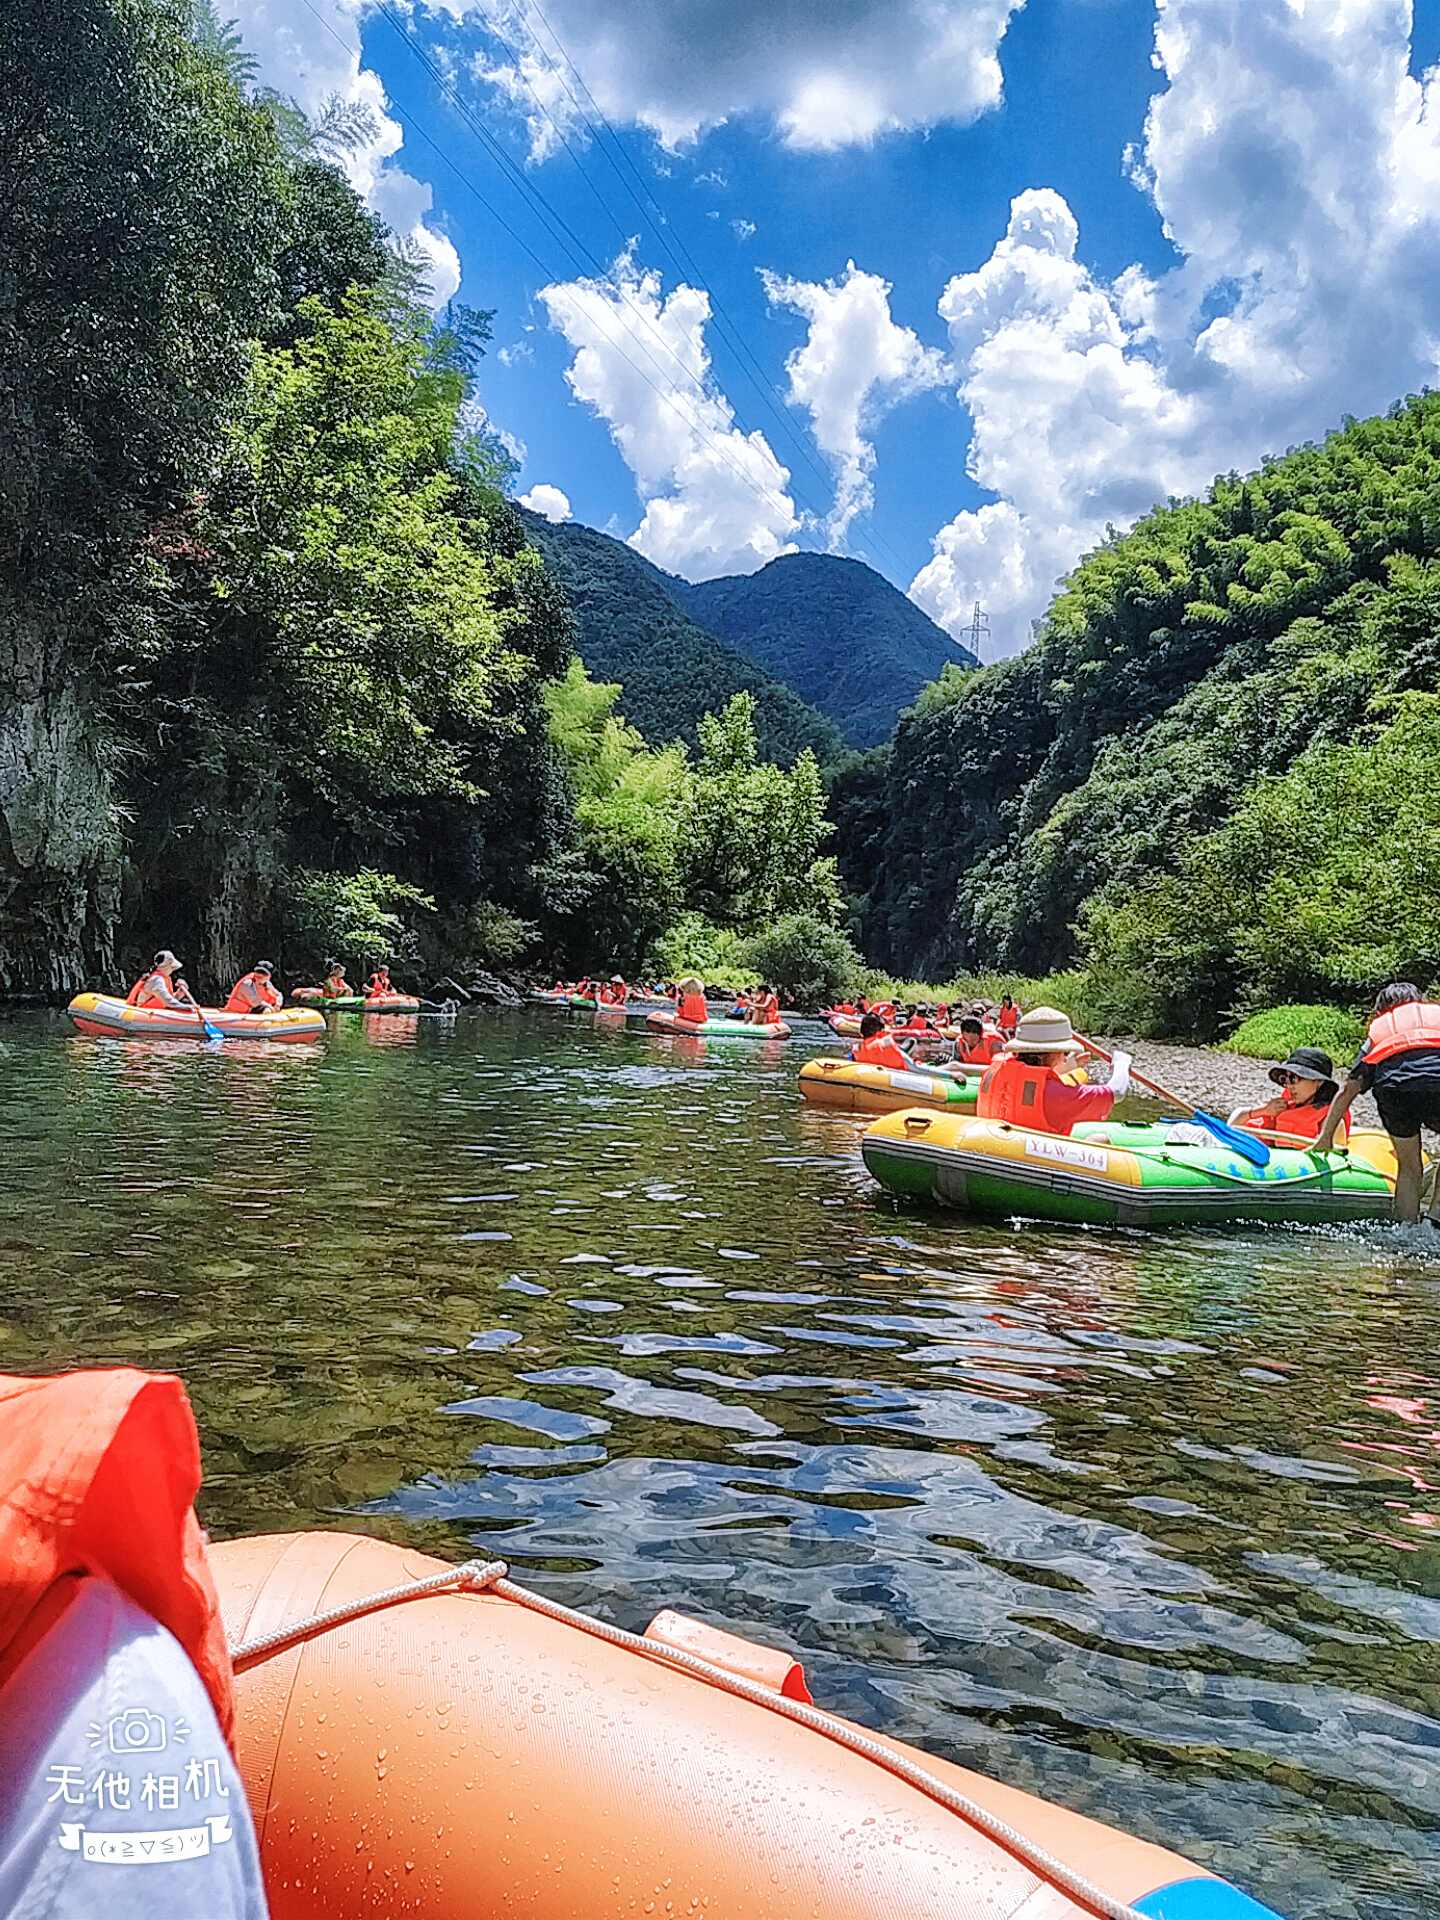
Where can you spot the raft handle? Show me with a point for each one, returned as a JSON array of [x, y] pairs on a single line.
[[489, 1576]]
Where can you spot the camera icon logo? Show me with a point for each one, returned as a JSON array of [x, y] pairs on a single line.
[[137, 1730]]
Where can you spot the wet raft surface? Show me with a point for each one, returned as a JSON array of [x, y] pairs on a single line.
[[1147, 1524]]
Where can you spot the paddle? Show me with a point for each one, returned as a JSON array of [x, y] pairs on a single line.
[[211, 1032], [1245, 1144]]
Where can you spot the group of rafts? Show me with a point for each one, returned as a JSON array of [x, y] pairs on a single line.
[[161, 1006], [996, 1133]]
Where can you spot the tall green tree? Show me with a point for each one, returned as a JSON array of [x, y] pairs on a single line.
[[141, 208]]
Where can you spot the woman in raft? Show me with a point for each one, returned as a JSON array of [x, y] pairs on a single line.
[[877, 1047], [1297, 1114], [160, 986], [764, 1007], [614, 993], [1024, 1085], [378, 984], [255, 992], [336, 986]]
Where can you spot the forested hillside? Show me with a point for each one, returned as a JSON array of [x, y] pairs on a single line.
[[633, 630], [1213, 777], [843, 637]]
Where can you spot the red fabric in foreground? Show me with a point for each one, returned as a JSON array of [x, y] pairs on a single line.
[[98, 1474]]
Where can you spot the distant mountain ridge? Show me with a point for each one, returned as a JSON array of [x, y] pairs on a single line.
[[633, 629], [838, 632]]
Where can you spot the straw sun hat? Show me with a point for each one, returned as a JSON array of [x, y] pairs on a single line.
[[1044, 1030]]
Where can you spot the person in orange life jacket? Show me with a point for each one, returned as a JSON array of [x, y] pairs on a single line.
[[158, 987], [877, 1047], [118, 1793], [1008, 1016], [914, 1022], [764, 1007], [614, 993], [977, 1045], [1400, 1064], [1024, 1084], [254, 993], [378, 983], [1307, 1086], [692, 1005], [336, 986]]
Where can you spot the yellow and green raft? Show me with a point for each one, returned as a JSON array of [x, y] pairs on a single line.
[[1109, 1174]]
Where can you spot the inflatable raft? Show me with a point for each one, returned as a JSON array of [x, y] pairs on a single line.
[[390, 1003], [1108, 1174], [104, 1014], [435, 1741], [664, 1022], [853, 1086], [329, 1003]]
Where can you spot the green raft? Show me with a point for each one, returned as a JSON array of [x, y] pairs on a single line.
[[666, 1022], [338, 1003], [1116, 1175]]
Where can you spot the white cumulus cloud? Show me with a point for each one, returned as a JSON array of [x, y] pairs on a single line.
[[716, 499], [854, 366], [548, 500], [827, 75], [1295, 164], [304, 53]]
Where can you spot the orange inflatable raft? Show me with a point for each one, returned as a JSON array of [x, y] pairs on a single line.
[[103, 1013], [417, 1739]]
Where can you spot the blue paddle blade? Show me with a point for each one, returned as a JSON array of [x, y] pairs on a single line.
[[1245, 1144]]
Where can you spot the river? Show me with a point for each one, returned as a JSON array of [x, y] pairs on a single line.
[[1145, 1524]]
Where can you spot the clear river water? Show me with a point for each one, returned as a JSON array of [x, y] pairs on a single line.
[[1146, 1524]]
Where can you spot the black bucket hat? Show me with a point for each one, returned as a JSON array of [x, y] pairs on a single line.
[[1309, 1063]]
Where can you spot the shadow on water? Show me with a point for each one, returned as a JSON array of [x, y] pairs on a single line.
[[1146, 1524]]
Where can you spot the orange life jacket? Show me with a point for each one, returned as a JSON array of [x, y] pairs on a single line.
[[237, 1003], [1417, 1024], [1007, 1019], [980, 1052], [1013, 1091], [880, 1051], [768, 1009], [693, 1008], [136, 995], [337, 987], [1292, 1123], [98, 1472]]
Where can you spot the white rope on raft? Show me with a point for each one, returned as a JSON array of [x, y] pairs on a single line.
[[489, 1576]]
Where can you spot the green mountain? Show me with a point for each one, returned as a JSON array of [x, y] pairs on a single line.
[[844, 638], [1211, 780], [633, 629]]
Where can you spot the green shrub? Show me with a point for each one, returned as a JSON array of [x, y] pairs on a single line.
[[694, 945], [1274, 1035], [355, 916], [805, 957]]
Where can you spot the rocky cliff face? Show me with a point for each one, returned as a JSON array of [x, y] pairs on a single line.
[[59, 841]]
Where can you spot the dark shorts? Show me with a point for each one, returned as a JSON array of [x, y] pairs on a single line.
[[1406, 1105]]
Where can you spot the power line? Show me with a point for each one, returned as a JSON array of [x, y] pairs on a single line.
[[685, 266], [580, 254]]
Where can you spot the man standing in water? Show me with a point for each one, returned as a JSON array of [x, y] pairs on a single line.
[[1400, 1064]]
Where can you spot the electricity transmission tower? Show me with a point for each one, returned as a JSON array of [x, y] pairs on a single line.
[[979, 629]]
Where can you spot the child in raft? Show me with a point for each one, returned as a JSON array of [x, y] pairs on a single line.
[[1024, 1085], [978, 1044], [692, 1005], [1296, 1116], [877, 1047], [1008, 1017]]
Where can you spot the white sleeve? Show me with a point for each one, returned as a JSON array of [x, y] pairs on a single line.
[[1119, 1081], [118, 1796]]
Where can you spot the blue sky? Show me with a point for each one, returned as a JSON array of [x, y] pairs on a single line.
[[1046, 361]]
